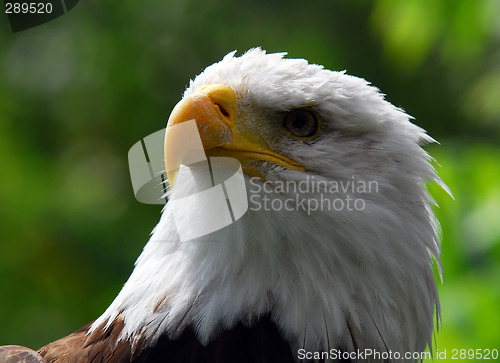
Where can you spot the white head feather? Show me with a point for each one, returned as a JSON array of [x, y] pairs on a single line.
[[333, 278]]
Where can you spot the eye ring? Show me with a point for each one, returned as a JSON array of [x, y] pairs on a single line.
[[302, 123]]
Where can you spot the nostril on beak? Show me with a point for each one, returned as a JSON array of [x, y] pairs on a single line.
[[224, 112]]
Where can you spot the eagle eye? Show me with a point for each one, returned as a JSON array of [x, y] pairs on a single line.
[[302, 123]]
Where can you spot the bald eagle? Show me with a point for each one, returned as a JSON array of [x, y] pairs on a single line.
[[332, 259]]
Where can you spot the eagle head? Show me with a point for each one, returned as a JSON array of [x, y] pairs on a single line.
[[337, 241]]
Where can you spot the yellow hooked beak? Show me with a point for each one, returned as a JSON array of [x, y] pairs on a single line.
[[214, 109]]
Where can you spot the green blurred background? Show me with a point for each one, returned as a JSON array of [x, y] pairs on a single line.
[[78, 92]]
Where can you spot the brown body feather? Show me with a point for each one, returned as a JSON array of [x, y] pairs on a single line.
[[261, 343], [18, 354]]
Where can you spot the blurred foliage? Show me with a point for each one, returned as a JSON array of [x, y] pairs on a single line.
[[78, 92]]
